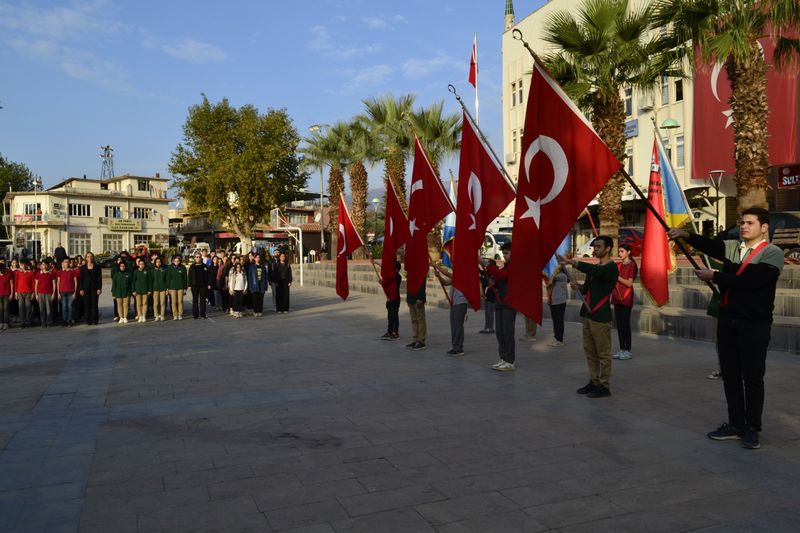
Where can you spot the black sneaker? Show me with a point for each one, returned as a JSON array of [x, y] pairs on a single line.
[[410, 345], [586, 389], [727, 432], [750, 439], [486, 331], [419, 346], [455, 353], [599, 391], [386, 336]]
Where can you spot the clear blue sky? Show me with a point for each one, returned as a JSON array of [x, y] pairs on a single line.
[[80, 74]]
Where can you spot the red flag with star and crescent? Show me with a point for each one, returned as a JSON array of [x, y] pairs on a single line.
[[428, 203], [395, 235], [483, 193], [564, 165], [656, 259], [349, 242]]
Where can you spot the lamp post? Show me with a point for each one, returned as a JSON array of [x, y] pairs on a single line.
[[716, 181], [37, 184], [313, 129], [375, 203]]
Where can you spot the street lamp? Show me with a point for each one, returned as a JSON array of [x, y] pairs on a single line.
[[313, 129], [37, 184], [375, 203], [716, 181]]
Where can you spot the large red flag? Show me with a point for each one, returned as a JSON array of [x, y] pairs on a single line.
[[473, 63], [428, 203], [483, 192], [656, 260], [395, 235], [712, 145], [565, 164], [349, 242]]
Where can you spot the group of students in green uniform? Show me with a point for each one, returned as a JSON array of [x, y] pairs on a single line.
[[140, 280]]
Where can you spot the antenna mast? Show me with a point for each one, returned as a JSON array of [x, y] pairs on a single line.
[[107, 169]]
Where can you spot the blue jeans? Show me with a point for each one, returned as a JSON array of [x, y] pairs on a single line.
[[45, 312], [66, 307]]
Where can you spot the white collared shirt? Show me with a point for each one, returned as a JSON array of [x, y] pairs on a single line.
[[744, 250]]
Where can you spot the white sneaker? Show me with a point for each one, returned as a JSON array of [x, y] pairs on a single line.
[[625, 355], [505, 367], [180, 317], [616, 355], [174, 318], [555, 343], [116, 318], [498, 364]]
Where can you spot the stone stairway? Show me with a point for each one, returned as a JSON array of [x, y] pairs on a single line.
[[684, 316]]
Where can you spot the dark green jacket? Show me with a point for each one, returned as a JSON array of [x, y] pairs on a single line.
[[600, 281], [177, 278], [120, 284], [159, 279], [142, 281]]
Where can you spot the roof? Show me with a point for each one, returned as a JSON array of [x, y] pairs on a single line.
[[67, 181]]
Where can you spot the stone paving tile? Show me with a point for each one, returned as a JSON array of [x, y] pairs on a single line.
[[287, 495], [567, 512], [238, 514], [376, 502], [455, 509], [398, 521], [503, 522], [305, 515]]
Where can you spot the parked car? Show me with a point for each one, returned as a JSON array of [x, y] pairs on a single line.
[[633, 236], [492, 242]]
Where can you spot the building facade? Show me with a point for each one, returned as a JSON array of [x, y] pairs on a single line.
[[83, 215], [671, 99]]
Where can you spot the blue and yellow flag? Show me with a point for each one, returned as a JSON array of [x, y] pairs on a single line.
[[449, 230], [677, 211]]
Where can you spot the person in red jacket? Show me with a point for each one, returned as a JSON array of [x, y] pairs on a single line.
[[6, 295], [67, 287], [23, 292], [45, 282]]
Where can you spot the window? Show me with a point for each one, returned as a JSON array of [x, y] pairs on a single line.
[[80, 243], [144, 185], [664, 90], [112, 243], [32, 209], [680, 160], [298, 218], [628, 102], [80, 210], [142, 212], [139, 238], [513, 94], [514, 141], [678, 90], [113, 211], [629, 160], [104, 186], [519, 90]]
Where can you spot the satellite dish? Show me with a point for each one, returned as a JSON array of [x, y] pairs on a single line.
[[317, 217]]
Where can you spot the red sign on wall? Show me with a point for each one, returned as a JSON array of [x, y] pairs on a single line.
[[789, 177]]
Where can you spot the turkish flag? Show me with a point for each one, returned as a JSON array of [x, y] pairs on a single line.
[[564, 166], [473, 63], [656, 260], [483, 193], [712, 146], [395, 235], [349, 242], [428, 203]]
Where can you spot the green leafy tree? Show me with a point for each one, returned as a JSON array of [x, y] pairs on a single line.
[[602, 48], [727, 32], [14, 176], [237, 164]]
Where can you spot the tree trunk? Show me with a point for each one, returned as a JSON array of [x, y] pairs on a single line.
[[358, 188], [608, 119], [335, 188], [750, 113], [395, 168]]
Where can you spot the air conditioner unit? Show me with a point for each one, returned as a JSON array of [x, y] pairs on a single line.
[[511, 158], [646, 103], [104, 220]]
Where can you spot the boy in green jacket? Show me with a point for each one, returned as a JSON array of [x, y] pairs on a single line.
[[177, 281]]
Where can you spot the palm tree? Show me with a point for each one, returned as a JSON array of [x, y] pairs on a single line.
[[602, 49], [385, 118], [357, 146], [727, 32]]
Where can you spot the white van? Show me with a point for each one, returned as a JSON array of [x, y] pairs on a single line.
[[492, 242]]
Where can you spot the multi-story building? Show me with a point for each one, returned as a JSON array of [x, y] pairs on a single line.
[[671, 101], [101, 216]]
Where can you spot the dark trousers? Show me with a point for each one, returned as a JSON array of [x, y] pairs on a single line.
[[226, 300], [282, 296], [622, 319], [457, 315], [488, 315], [393, 313], [199, 295], [504, 319], [557, 314], [90, 300], [238, 299], [742, 348], [258, 302]]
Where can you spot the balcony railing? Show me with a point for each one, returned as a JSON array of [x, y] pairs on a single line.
[[44, 218]]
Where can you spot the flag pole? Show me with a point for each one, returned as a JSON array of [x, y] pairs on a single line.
[[477, 74], [452, 89], [516, 34], [441, 281]]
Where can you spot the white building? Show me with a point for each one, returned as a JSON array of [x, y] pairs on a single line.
[[671, 100], [101, 216]]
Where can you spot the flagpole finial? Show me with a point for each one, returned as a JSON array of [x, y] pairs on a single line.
[[452, 89]]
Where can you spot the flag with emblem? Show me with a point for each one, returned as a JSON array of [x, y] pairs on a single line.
[[564, 165], [656, 259], [395, 234], [349, 242]]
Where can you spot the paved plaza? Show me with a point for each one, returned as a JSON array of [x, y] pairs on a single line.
[[307, 422]]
